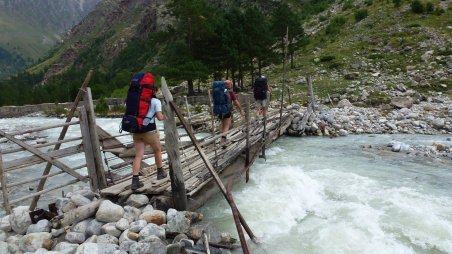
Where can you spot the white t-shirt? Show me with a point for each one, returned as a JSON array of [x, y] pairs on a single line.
[[156, 106]]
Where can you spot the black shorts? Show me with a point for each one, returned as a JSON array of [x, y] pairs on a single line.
[[223, 116]]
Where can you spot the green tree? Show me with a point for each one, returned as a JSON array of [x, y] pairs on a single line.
[[284, 19]]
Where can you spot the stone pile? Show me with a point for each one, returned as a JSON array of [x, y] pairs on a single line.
[[433, 116], [135, 228]]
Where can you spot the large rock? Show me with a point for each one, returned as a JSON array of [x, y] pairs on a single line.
[[152, 229], [155, 216], [137, 200], [3, 236], [94, 228], [122, 224], [75, 237], [80, 200], [195, 231], [148, 247], [82, 226], [438, 123], [34, 241], [66, 248], [344, 103], [87, 248], [179, 222], [131, 213], [109, 212], [110, 228], [4, 247], [13, 243], [5, 225], [137, 226], [107, 239], [20, 219], [41, 226], [402, 102]]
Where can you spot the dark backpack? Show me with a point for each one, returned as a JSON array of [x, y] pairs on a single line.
[[222, 103], [260, 88], [139, 96]]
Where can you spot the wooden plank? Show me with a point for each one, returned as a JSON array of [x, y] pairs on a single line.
[[34, 159], [42, 145], [62, 135], [88, 101], [44, 156], [41, 177], [65, 125], [6, 204], [172, 149], [88, 149], [43, 191]]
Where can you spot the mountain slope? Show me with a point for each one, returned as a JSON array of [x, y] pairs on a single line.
[[28, 29]]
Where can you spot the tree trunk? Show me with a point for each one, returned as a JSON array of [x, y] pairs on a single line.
[[291, 60], [190, 91], [199, 86], [241, 77], [259, 63], [251, 72]]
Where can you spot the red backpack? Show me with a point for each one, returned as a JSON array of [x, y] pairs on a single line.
[[139, 96]]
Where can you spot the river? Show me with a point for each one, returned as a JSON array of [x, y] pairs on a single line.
[[321, 195]]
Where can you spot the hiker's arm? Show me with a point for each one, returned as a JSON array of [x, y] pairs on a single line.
[[159, 116], [237, 104]]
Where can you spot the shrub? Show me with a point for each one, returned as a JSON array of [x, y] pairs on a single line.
[[417, 7], [327, 58], [378, 98], [397, 3], [429, 8], [335, 25], [361, 14], [101, 106], [347, 5], [369, 2], [322, 18], [118, 108]]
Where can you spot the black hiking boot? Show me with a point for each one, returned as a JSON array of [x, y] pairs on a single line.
[[223, 142], [161, 174], [136, 184]]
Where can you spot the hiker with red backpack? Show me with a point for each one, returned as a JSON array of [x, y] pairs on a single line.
[[223, 98], [142, 108], [262, 92]]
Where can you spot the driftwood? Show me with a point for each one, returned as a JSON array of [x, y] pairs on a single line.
[[80, 213]]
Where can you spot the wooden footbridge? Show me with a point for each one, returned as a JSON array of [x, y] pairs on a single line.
[[197, 168]]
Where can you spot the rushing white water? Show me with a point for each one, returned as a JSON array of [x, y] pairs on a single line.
[[319, 195]]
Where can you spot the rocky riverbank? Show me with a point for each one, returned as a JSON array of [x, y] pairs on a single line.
[[86, 224]]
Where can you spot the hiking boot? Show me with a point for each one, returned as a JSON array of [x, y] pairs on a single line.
[[223, 142], [161, 174], [136, 184]]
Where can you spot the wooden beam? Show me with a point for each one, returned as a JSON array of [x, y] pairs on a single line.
[[62, 134], [43, 145], [172, 149], [44, 191], [44, 157], [210, 167], [88, 149], [89, 106], [65, 125], [6, 204], [34, 159]]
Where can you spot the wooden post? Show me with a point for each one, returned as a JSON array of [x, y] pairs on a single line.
[[210, 167], [286, 41], [62, 135], [289, 95], [188, 112], [247, 149], [211, 113], [88, 148], [4, 187], [311, 92], [172, 149], [235, 214], [89, 106]]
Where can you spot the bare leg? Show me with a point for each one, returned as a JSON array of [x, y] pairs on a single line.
[[139, 152], [226, 124], [157, 154]]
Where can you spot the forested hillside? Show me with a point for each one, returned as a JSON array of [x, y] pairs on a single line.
[[339, 43], [28, 29]]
